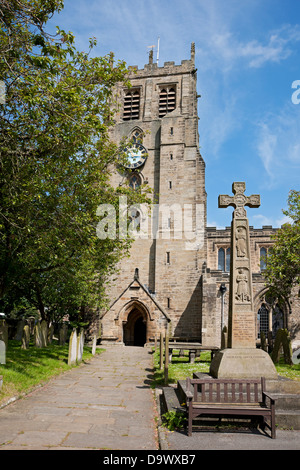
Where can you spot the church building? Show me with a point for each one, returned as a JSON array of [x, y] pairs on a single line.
[[177, 275]]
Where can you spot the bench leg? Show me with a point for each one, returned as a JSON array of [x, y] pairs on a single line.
[[190, 421], [273, 427]]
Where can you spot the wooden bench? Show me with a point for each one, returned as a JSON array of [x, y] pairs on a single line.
[[229, 397]]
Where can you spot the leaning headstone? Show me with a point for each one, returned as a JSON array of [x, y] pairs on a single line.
[[2, 352], [25, 337], [80, 343], [38, 335], [44, 332], [241, 358], [94, 345], [63, 331], [72, 347]]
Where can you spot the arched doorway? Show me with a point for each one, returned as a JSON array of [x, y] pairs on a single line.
[[135, 328]]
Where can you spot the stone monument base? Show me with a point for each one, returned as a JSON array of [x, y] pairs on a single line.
[[245, 363]]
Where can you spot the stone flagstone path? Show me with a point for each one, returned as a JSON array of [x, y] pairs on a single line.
[[104, 404]]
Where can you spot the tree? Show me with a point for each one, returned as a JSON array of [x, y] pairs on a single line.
[[55, 158], [283, 263]]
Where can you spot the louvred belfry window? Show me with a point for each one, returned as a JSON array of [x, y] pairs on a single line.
[[131, 105], [167, 100]]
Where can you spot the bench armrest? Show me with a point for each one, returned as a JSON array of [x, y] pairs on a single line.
[[189, 395], [268, 395]]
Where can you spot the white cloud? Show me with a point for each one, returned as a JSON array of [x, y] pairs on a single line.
[[227, 51], [259, 220], [278, 144]]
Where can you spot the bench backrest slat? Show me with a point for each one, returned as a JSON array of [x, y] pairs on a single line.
[[226, 390]]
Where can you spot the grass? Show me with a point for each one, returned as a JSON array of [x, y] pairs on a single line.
[[180, 368], [26, 369]]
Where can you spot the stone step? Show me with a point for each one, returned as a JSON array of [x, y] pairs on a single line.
[[170, 400], [289, 419], [283, 385], [287, 401]]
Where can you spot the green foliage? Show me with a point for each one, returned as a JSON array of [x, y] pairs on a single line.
[[56, 158], [180, 367], [174, 420], [283, 263]]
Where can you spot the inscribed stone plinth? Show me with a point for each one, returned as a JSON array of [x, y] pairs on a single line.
[[241, 359], [72, 347]]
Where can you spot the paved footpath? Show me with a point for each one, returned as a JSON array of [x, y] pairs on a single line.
[[104, 404]]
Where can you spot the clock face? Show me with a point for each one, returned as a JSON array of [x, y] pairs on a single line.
[[136, 156]]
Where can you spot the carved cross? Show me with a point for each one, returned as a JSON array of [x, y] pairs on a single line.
[[239, 200]]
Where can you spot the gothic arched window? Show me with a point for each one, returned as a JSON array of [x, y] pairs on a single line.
[[135, 181], [221, 259], [263, 320], [224, 259]]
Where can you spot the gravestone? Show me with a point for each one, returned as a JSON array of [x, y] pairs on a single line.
[[94, 345], [63, 332], [50, 333], [38, 335], [282, 341], [80, 343], [241, 358], [44, 333], [2, 352], [4, 332], [25, 337], [72, 347], [19, 333]]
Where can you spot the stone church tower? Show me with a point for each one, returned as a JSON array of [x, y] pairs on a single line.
[[158, 286]]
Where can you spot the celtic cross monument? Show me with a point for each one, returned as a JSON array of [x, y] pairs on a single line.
[[241, 359]]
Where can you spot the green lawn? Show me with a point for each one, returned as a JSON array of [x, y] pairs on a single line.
[[180, 368], [25, 369]]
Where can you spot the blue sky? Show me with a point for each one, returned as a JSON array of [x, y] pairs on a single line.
[[247, 56]]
